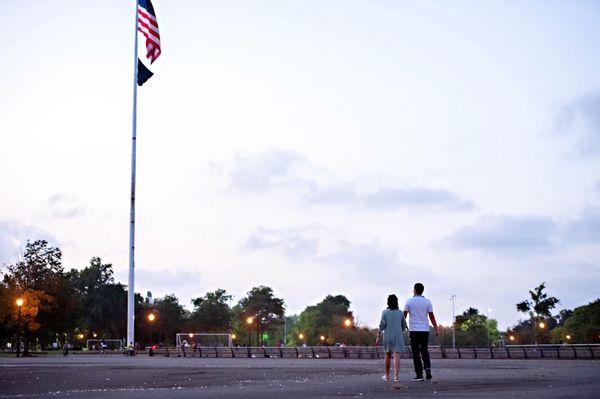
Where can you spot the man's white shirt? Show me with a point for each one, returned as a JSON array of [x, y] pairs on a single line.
[[418, 308]]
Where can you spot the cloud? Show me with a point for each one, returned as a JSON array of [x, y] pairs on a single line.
[[14, 236], [163, 280], [360, 259], [63, 206], [585, 229], [268, 171], [506, 234], [295, 243], [580, 118], [526, 235], [291, 172], [390, 198], [363, 258]]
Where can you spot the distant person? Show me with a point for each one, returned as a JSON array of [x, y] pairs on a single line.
[[130, 349], [391, 326], [418, 308], [66, 349], [196, 349], [103, 347], [183, 345]]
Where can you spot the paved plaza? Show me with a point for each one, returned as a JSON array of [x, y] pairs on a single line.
[[115, 376]]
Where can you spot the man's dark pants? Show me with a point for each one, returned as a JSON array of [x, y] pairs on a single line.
[[418, 345]]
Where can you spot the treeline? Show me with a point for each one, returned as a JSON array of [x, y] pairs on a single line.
[[76, 305], [73, 306], [580, 325]]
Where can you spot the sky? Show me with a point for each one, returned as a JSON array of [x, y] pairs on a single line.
[[317, 147]]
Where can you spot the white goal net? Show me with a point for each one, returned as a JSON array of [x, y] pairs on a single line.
[[203, 339], [111, 344]]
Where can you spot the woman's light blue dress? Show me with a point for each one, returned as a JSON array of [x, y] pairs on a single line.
[[392, 325]]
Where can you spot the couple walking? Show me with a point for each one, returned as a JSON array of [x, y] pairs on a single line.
[[393, 322]]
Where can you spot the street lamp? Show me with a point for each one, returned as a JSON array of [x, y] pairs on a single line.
[[348, 324], [249, 321], [542, 325], [453, 299], [19, 303], [511, 337], [488, 326], [568, 337], [151, 318], [322, 338], [301, 337]]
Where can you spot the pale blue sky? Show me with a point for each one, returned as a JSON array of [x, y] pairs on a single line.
[[363, 145]]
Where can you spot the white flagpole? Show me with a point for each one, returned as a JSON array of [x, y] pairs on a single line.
[[131, 285]]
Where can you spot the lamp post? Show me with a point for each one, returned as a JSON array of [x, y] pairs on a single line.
[[301, 337], [488, 326], [541, 325], [453, 299], [348, 324], [443, 341], [19, 303], [151, 318], [249, 321], [284, 331]]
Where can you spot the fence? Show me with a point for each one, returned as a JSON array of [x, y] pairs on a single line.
[[589, 351]]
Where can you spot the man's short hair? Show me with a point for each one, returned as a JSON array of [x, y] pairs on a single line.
[[419, 288]]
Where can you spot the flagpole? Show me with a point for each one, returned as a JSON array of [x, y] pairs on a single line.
[[131, 285]]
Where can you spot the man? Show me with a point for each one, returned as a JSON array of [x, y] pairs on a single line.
[[419, 308]]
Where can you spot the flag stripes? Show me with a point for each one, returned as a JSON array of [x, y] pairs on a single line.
[[148, 26]]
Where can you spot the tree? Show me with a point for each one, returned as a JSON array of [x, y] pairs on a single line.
[[171, 318], [540, 305], [105, 302], [50, 305], [211, 312], [584, 324], [263, 307], [539, 309], [473, 329], [327, 319]]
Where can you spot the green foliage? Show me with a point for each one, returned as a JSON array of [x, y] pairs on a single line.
[[327, 319], [105, 302], [170, 317], [50, 305], [540, 306], [264, 308], [211, 313], [584, 324], [475, 329]]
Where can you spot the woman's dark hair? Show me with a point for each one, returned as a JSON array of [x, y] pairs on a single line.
[[392, 302]]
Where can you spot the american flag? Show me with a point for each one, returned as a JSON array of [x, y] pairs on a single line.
[[148, 25]]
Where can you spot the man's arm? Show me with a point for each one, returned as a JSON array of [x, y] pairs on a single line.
[[405, 313], [434, 323]]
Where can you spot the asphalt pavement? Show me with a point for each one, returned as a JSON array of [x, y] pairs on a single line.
[[115, 376]]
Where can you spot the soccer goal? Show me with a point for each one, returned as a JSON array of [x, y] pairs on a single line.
[[111, 344], [203, 339]]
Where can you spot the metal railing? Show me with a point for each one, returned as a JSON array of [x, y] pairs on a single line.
[[578, 351]]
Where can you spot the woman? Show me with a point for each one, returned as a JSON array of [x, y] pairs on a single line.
[[391, 327]]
